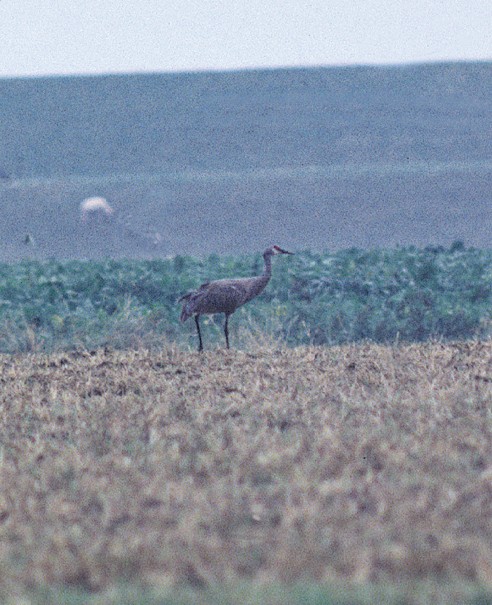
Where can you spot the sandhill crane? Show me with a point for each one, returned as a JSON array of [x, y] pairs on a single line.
[[226, 295]]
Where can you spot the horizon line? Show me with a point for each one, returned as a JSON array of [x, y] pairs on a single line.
[[232, 70]]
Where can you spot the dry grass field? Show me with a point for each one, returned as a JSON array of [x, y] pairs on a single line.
[[346, 465]]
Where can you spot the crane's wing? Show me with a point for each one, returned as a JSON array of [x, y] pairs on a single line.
[[188, 295], [220, 296]]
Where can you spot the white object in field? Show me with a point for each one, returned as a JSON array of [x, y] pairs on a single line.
[[96, 207]]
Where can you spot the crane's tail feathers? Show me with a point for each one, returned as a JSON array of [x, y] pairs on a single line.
[[185, 312]]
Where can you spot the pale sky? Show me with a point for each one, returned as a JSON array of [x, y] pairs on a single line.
[[44, 37]]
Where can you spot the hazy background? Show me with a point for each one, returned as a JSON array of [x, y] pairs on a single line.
[[330, 153], [39, 37]]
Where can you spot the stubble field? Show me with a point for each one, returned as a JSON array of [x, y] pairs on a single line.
[[355, 465]]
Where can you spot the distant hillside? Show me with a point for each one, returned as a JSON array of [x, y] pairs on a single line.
[[217, 162]]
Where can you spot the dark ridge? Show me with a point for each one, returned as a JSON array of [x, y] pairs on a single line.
[[314, 157]]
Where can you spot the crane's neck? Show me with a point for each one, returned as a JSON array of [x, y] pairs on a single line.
[[256, 285], [267, 272]]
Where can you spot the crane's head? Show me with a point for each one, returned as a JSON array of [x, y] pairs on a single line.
[[275, 250]]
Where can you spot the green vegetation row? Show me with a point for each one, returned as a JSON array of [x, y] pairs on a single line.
[[415, 593], [403, 294]]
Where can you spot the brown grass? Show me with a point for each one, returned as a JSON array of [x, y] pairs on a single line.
[[359, 463]]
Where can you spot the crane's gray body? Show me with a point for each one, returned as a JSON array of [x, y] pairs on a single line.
[[222, 296], [227, 295]]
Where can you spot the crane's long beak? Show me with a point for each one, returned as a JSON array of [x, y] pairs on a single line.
[[285, 251]]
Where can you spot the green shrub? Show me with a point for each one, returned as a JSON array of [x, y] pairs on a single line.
[[348, 296]]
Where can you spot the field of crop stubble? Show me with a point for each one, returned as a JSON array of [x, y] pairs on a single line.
[[353, 464]]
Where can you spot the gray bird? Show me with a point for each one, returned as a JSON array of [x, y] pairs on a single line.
[[226, 295]]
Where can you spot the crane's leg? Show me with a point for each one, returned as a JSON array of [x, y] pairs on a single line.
[[226, 330], [200, 345]]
